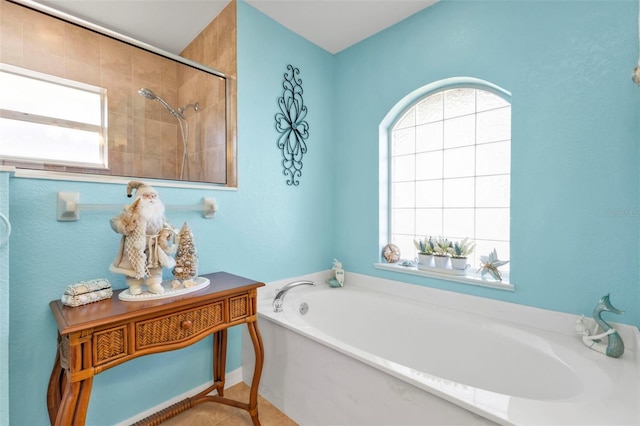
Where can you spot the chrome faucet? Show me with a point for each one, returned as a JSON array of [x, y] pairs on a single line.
[[279, 299]]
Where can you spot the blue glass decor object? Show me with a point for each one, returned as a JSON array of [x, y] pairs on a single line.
[[291, 124], [338, 274], [614, 346]]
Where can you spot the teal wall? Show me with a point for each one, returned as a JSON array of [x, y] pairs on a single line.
[[4, 300], [575, 134], [574, 169], [265, 231]]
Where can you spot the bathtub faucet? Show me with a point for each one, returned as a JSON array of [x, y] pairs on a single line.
[[279, 299]]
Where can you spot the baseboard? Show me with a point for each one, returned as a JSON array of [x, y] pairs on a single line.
[[231, 378]]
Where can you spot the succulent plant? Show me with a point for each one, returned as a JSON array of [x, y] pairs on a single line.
[[462, 248], [425, 246], [442, 247]]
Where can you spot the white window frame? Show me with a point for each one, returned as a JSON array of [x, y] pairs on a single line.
[[385, 130], [101, 129]]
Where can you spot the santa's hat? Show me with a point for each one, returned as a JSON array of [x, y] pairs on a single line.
[[140, 187]]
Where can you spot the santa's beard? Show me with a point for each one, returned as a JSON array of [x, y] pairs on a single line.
[[153, 212]]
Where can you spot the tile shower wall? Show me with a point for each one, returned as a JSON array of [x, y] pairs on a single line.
[[214, 47]]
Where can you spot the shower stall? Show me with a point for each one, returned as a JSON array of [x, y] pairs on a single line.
[[179, 126], [183, 122]]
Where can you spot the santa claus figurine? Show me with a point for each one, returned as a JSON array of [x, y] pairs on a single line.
[[147, 240]]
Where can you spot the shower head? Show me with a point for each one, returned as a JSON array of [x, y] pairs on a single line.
[[147, 93]]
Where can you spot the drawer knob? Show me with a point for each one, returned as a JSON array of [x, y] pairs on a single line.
[[186, 324]]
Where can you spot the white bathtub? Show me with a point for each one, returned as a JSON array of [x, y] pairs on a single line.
[[379, 352]]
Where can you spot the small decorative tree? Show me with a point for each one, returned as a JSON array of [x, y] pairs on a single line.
[[186, 256]]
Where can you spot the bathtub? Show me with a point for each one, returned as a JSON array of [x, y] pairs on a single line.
[[380, 352]]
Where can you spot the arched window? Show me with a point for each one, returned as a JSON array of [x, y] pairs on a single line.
[[449, 170]]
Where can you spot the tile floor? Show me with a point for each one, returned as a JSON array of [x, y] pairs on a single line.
[[212, 414]]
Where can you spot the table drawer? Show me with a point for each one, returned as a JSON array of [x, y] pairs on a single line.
[[177, 327]]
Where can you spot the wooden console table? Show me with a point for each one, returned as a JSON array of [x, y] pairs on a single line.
[[101, 335]]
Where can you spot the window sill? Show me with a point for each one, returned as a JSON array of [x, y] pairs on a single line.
[[470, 278]]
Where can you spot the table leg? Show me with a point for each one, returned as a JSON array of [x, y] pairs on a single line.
[[219, 359], [257, 371], [54, 391], [74, 403]]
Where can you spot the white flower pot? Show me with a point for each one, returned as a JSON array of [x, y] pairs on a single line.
[[459, 263], [441, 261], [425, 260]]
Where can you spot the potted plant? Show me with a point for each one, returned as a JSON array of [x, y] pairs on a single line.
[[425, 251], [441, 252], [459, 251]]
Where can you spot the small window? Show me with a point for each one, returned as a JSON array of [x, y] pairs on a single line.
[[449, 171], [50, 120]]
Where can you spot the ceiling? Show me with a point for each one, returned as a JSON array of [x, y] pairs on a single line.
[[170, 25]]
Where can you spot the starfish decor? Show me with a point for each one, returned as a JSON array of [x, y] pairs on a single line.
[[490, 264]]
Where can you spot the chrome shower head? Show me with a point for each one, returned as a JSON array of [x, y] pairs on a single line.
[[148, 93]]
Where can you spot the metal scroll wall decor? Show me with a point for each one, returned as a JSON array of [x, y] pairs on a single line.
[[291, 124]]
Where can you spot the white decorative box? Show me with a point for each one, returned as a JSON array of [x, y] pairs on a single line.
[[84, 292]]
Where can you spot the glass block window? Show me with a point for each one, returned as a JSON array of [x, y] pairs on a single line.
[[450, 165], [50, 120]]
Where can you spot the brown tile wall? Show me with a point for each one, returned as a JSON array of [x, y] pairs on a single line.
[[215, 47], [144, 138]]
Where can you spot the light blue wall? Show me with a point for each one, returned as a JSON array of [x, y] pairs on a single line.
[[575, 131], [265, 231], [4, 300], [575, 156]]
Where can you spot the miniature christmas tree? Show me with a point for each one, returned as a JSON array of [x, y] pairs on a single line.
[[186, 256]]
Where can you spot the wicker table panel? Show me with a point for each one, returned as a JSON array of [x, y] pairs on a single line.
[[178, 327], [109, 345], [239, 307]]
